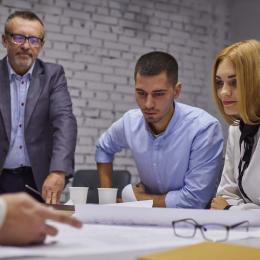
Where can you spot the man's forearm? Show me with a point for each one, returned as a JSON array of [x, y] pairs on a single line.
[[3, 210], [105, 174], [158, 199]]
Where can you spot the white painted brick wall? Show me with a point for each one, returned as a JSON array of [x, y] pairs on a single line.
[[99, 41]]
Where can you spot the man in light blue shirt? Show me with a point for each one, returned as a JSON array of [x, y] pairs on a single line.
[[177, 148]]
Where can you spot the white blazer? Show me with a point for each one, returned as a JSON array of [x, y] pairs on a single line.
[[228, 187]]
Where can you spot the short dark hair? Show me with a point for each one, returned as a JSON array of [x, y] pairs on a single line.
[[156, 62], [28, 15]]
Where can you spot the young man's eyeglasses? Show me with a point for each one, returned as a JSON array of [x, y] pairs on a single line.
[[21, 39]]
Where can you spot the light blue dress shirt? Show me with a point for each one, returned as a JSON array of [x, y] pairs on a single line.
[[17, 155], [183, 162]]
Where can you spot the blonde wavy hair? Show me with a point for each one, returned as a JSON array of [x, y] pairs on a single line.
[[245, 57]]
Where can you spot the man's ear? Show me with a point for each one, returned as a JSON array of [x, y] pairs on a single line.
[[177, 89], [4, 40], [43, 42]]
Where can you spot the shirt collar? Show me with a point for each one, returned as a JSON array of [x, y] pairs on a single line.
[[12, 73], [175, 117]]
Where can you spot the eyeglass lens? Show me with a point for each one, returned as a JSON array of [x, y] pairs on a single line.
[[184, 228], [20, 39], [214, 232]]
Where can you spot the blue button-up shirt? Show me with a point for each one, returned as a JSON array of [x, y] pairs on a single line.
[[17, 155], [183, 162]]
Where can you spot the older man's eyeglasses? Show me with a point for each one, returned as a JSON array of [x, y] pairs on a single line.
[[21, 39], [186, 228]]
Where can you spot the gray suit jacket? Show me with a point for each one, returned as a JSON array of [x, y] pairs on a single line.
[[50, 126]]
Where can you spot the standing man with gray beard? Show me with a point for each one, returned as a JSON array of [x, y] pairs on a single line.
[[37, 127]]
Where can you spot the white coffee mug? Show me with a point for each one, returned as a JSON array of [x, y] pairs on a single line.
[[107, 195], [78, 195]]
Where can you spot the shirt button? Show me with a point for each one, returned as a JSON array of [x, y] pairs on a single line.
[[22, 82], [20, 125], [20, 146], [22, 104]]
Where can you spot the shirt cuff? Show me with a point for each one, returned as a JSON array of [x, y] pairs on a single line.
[[170, 199], [102, 157], [3, 209]]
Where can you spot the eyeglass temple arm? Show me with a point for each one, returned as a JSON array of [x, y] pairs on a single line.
[[239, 224]]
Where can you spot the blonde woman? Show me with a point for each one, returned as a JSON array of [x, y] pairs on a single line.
[[236, 87]]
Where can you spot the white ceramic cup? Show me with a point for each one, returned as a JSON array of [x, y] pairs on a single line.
[[78, 195], [107, 195]]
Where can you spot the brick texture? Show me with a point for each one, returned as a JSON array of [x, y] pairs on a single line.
[[99, 41]]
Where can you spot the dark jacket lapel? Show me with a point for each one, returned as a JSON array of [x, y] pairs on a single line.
[[5, 97], [34, 92]]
